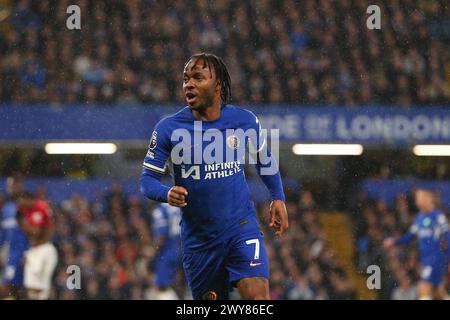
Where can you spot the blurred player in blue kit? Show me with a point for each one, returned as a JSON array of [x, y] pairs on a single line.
[[223, 246], [13, 242], [430, 227], [167, 261]]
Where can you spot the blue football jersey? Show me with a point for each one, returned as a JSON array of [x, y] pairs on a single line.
[[8, 222], [166, 223], [16, 242], [429, 229], [218, 201], [13, 272]]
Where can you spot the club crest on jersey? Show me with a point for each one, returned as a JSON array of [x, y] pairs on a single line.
[[153, 140], [233, 142]]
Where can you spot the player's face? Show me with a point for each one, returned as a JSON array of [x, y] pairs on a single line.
[[424, 200], [31, 231], [200, 85], [26, 227]]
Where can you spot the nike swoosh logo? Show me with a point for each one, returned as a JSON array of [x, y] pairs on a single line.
[[254, 264]]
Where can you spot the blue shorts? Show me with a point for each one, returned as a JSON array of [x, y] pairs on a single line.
[[213, 272], [13, 275], [166, 268], [433, 273]]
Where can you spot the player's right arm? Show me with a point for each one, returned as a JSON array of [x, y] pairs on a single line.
[[154, 168]]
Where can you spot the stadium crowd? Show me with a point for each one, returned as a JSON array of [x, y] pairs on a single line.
[[375, 221], [110, 239], [303, 266], [278, 52]]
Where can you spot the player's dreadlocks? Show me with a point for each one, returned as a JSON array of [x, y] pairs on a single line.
[[221, 72]]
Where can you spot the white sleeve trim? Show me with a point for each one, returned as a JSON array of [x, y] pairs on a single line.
[[154, 168]]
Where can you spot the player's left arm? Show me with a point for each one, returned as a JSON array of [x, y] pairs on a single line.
[[268, 170], [278, 214]]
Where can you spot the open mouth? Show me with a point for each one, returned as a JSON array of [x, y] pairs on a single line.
[[191, 97]]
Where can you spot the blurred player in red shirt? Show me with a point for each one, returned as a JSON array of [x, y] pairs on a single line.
[[42, 257]]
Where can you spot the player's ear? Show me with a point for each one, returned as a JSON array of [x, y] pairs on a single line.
[[218, 86]]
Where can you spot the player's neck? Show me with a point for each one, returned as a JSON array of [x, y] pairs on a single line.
[[43, 238], [37, 242], [208, 114], [427, 209]]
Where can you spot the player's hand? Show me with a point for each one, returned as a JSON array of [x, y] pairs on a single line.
[[388, 243], [278, 217], [177, 196]]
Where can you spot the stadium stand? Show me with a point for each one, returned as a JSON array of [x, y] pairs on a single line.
[[278, 52]]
